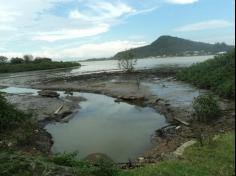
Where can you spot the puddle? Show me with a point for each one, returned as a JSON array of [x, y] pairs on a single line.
[[121, 131], [20, 91], [178, 94]]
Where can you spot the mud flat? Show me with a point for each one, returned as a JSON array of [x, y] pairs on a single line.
[[156, 89]]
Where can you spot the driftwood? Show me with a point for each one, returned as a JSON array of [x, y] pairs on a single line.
[[161, 132], [181, 121], [58, 110]]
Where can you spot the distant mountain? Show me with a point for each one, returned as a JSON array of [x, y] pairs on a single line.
[[174, 46]]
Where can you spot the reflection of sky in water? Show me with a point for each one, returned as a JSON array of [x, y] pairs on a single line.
[[121, 131], [15, 90]]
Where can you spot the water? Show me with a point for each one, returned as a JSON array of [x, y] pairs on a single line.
[[36, 77], [112, 65], [19, 91], [121, 131], [177, 93]]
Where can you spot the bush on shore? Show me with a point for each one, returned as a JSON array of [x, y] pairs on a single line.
[[206, 108], [10, 117], [216, 74]]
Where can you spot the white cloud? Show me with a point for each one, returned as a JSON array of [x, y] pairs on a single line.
[[36, 20], [7, 28], [92, 50], [102, 11], [181, 1], [212, 24], [70, 33], [6, 16]]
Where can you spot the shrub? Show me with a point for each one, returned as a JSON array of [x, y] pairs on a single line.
[[65, 159], [42, 59], [105, 168], [127, 62], [84, 168], [10, 117], [17, 60], [216, 74], [206, 108], [3, 59]]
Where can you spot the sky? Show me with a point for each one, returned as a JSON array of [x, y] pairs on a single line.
[[83, 29]]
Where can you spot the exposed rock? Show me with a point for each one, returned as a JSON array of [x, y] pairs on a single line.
[[158, 100], [132, 98], [69, 92], [180, 151], [95, 157], [48, 93]]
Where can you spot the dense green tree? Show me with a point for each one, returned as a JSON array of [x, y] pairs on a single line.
[[3, 59], [17, 60]]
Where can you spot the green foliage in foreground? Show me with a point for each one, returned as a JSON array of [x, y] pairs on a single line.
[[210, 160], [216, 159], [32, 66], [216, 74], [10, 117], [206, 108], [18, 164]]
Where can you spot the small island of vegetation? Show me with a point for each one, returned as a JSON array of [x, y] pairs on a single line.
[[29, 63]]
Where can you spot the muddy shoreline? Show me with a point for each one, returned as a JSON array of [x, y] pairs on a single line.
[[130, 88]]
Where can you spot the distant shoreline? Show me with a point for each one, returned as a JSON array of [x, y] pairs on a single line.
[[157, 57]]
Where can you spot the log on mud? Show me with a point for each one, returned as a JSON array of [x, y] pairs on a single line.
[[58, 110], [48, 93], [181, 121]]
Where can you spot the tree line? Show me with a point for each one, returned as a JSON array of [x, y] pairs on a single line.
[[25, 59]]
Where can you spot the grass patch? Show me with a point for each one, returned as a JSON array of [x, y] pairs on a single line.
[[214, 159], [216, 74], [33, 66]]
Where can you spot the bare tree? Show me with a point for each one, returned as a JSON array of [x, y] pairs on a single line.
[[127, 61], [28, 58]]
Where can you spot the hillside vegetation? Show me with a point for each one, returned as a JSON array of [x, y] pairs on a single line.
[[216, 74], [174, 46]]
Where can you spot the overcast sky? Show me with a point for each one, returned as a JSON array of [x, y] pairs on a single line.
[[83, 29]]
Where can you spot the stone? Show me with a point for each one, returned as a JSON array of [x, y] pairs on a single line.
[[133, 98], [180, 151], [48, 93], [95, 157]]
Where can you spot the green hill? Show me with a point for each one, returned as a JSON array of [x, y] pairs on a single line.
[[174, 46]]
